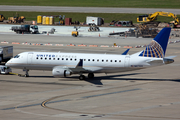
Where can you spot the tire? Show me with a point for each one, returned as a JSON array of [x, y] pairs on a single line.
[[81, 77], [91, 75], [26, 75]]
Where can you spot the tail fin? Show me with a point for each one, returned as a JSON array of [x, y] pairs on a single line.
[[157, 47]]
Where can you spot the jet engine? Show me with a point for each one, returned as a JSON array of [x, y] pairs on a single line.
[[59, 72]]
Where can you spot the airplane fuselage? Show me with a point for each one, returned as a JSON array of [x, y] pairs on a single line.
[[106, 63]]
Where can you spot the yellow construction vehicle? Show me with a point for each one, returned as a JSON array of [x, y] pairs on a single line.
[[16, 19], [152, 17], [2, 18], [75, 33]]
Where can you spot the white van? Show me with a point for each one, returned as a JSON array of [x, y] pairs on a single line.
[[5, 69]]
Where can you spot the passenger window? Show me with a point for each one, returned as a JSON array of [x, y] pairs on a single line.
[[102, 60], [111, 60], [37, 58], [84, 59], [71, 59], [75, 59], [115, 60], [66, 58], [97, 60], [106, 60], [49, 58], [45, 58], [62, 58], [41, 58], [58, 59], [119, 60], [88, 59], [93, 60]]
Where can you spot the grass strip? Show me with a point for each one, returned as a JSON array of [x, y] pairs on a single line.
[[97, 3], [81, 17]]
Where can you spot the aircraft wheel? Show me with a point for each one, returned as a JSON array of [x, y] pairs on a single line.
[[81, 77], [26, 75], [91, 75]]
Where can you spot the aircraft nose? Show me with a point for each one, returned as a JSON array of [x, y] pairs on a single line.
[[7, 63]]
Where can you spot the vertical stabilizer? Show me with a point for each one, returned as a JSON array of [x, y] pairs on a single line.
[[157, 47]]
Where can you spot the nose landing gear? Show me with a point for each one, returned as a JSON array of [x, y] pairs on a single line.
[[26, 74]]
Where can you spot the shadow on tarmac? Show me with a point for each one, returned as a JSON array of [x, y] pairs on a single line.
[[95, 80]]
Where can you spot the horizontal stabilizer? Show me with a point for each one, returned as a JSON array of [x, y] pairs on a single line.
[[125, 52], [170, 57], [155, 62]]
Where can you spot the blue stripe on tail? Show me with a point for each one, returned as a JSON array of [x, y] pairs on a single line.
[[157, 47]]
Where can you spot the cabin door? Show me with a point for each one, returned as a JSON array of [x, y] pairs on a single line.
[[127, 61], [29, 58]]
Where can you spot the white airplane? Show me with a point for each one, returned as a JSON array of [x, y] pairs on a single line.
[[66, 64]]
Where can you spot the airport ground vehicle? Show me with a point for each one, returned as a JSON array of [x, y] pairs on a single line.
[[6, 53], [152, 17], [75, 33], [5, 69], [32, 29], [2, 18]]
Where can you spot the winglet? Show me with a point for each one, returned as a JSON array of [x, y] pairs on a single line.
[[80, 64], [157, 47], [125, 52]]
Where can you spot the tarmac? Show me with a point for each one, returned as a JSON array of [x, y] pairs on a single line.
[[147, 94]]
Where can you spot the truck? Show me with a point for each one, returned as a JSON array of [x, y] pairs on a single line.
[[28, 29], [94, 20], [4, 69], [6, 53]]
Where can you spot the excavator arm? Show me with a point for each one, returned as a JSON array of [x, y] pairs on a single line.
[[152, 17]]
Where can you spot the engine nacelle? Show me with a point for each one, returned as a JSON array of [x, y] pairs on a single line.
[[59, 72]]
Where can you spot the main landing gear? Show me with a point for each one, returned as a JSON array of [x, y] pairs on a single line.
[[82, 77]]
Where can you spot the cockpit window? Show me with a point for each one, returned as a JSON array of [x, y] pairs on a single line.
[[17, 56]]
